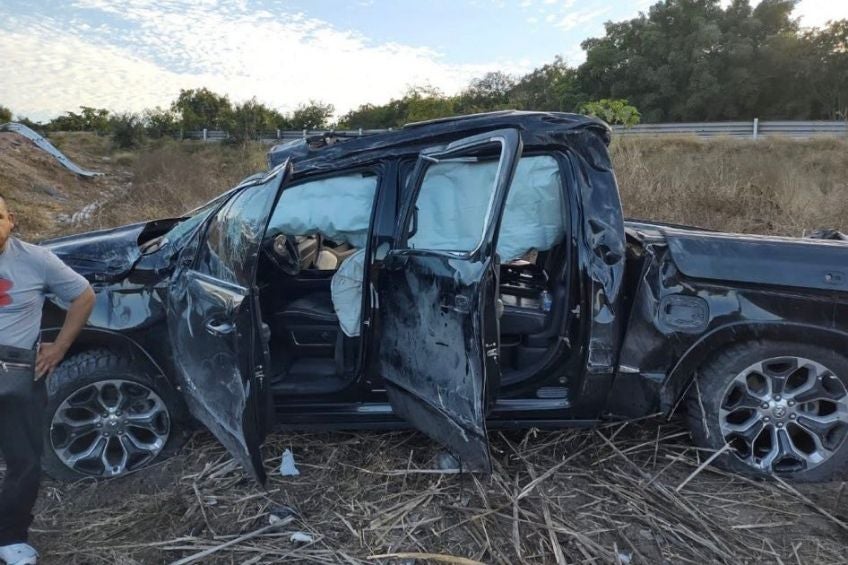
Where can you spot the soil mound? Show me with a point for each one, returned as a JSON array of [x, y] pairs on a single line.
[[42, 193]]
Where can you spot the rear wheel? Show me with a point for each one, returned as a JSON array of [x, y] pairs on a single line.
[[782, 408], [106, 417]]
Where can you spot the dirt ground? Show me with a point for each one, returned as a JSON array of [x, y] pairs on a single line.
[[623, 493], [48, 193]]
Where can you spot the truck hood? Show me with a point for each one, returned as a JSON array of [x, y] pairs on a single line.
[[783, 261], [103, 255]]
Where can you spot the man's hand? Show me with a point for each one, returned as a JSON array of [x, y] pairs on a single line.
[[49, 356]]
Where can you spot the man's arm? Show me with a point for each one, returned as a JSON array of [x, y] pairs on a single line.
[[51, 354]]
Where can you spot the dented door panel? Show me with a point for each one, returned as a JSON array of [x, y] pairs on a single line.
[[438, 335], [214, 323], [431, 351]]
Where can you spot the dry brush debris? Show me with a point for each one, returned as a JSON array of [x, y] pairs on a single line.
[[623, 493]]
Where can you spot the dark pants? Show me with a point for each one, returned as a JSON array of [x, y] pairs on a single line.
[[21, 426]]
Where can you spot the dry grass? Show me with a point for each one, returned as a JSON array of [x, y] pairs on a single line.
[[162, 180], [171, 178], [772, 186]]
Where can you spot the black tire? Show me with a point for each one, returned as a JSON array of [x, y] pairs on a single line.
[[81, 373], [718, 395]]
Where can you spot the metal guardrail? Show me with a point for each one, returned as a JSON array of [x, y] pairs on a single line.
[[48, 147], [278, 136], [751, 130]]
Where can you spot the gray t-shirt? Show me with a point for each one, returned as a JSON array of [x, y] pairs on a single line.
[[27, 273]]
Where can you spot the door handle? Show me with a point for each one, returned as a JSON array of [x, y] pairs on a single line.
[[461, 304], [219, 327]]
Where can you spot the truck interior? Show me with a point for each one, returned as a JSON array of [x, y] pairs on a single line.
[[312, 256], [312, 262]]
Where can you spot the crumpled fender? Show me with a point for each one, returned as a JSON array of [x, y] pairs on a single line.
[[103, 255]]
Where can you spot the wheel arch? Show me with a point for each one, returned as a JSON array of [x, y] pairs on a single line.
[[95, 338], [683, 373]]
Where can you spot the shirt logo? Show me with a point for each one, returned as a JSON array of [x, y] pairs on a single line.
[[5, 286]]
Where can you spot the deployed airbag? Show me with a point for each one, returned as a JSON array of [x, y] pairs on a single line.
[[454, 201], [338, 208], [346, 289]]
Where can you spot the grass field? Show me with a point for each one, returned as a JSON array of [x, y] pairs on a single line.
[[623, 493], [771, 186]]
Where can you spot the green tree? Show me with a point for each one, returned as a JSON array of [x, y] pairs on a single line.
[[427, 103], [551, 87], [159, 122], [489, 92], [94, 119], [823, 67], [30, 124], [612, 111], [127, 130], [314, 115], [89, 119], [201, 108], [69, 121], [5, 115], [252, 118], [691, 59], [372, 116]]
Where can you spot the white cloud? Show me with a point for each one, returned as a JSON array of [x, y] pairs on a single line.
[[55, 72], [816, 13], [152, 49], [573, 19]]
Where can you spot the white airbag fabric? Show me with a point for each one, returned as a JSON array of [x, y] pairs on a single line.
[[454, 202], [338, 208], [346, 289], [452, 207]]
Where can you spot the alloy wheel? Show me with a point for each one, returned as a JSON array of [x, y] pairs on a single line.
[[785, 414], [110, 427]]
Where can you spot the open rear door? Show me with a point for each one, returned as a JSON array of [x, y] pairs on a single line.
[[438, 331], [220, 348]]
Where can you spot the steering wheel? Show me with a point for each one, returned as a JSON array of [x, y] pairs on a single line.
[[283, 253]]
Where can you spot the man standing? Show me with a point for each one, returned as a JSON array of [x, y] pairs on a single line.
[[27, 273]]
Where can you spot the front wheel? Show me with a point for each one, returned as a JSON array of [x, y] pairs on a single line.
[[781, 408], [106, 417]]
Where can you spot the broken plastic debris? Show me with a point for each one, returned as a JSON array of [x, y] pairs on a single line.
[[624, 558], [287, 467], [446, 461], [281, 514], [300, 537]]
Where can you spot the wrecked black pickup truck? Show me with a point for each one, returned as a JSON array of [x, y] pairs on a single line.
[[453, 276]]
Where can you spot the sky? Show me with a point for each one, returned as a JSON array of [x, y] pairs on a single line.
[[128, 55]]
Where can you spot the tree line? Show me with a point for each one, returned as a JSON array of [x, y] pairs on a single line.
[[194, 109], [683, 60]]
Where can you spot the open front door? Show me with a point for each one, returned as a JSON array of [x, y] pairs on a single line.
[[439, 338], [216, 329]]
